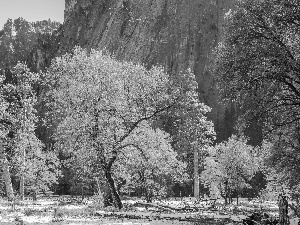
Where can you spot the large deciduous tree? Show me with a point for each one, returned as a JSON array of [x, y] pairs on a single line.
[[102, 103], [257, 64], [258, 60]]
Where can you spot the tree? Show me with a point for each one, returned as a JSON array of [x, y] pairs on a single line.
[[81, 176], [281, 155], [195, 135], [257, 62], [6, 173], [149, 163], [101, 102], [18, 38], [189, 127], [229, 167], [31, 44], [6, 123], [257, 65], [22, 149]]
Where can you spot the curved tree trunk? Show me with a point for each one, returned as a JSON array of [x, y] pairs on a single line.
[[113, 190], [106, 166]]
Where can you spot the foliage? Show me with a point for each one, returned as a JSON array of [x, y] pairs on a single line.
[[149, 163], [194, 133], [229, 166], [258, 61], [41, 171], [18, 39], [101, 103], [188, 125], [82, 174], [282, 168], [24, 149], [257, 65], [282, 156]]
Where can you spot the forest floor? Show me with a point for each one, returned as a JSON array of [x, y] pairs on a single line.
[[179, 211]]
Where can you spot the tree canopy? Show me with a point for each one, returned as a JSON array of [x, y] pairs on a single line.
[[257, 66], [18, 38], [22, 152], [258, 61], [150, 164], [107, 107], [229, 167]]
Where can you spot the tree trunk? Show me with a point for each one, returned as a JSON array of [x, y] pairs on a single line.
[[6, 175], [98, 186], [7, 180], [113, 190], [22, 178], [196, 174], [283, 210], [230, 196], [34, 195], [148, 195], [226, 200], [22, 184], [226, 194], [82, 192]]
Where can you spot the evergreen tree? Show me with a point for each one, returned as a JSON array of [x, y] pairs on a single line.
[[22, 150]]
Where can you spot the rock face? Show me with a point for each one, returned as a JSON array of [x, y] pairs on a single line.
[[176, 34]]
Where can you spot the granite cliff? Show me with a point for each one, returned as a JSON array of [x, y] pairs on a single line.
[[176, 34]]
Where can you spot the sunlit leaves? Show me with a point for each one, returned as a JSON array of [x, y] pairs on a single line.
[[230, 165], [93, 89], [102, 106], [18, 116], [148, 161], [107, 113]]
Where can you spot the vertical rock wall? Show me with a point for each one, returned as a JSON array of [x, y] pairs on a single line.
[[177, 34]]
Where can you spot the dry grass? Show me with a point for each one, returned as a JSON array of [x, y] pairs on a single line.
[[85, 213]]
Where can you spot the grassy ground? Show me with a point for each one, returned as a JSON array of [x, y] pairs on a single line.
[[67, 211]]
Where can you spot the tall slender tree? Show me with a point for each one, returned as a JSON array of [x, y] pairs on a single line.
[[20, 146]]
